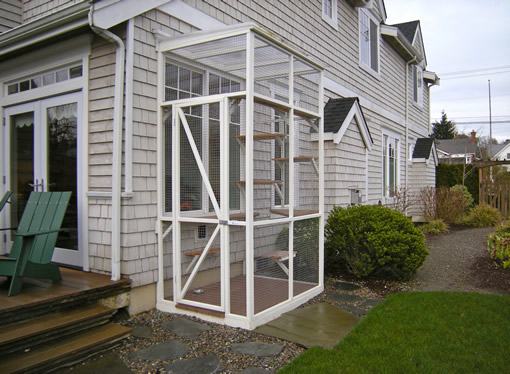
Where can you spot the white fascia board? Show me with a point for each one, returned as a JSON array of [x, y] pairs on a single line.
[[190, 15], [396, 34], [113, 13], [342, 91], [434, 154]]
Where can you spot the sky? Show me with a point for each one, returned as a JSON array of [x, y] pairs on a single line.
[[467, 43]]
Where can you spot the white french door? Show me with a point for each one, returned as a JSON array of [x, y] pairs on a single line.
[[41, 151]]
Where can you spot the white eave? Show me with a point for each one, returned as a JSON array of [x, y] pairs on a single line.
[[431, 77], [400, 43]]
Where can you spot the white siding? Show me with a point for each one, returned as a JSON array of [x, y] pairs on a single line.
[[10, 14]]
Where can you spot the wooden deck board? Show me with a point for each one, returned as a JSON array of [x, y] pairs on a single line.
[[40, 293]]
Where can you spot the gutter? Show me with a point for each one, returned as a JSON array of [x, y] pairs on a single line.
[[409, 62], [117, 141]]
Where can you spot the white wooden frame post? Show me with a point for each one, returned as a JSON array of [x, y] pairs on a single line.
[[250, 88]]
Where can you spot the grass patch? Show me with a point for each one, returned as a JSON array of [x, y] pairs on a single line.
[[421, 332]]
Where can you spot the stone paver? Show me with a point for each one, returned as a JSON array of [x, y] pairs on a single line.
[[141, 331], [185, 328], [314, 325], [257, 349], [343, 298], [200, 365], [109, 363], [163, 351], [370, 303], [346, 286], [255, 371]]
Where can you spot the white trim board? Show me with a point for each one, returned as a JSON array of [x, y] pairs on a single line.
[[190, 15], [337, 88]]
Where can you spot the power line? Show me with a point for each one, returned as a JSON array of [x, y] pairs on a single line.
[[475, 70], [474, 75]]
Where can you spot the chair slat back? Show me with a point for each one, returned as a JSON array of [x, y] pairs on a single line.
[[44, 211], [5, 199]]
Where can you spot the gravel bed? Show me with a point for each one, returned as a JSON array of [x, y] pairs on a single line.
[[458, 261]]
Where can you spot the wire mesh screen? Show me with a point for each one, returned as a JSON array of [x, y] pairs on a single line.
[[227, 55], [306, 86], [270, 166], [306, 166], [168, 262], [167, 149], [306, 247], [271, 264], [200, 263], [238, 270], [271, 70]]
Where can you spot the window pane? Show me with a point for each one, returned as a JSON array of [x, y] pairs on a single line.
[[373, 46], [225, 85], [35, 82], [24, 86], [76, 72], [12, 89], [48, 79], [170, 94], [196, 84], [171, 74], [364, 38], [62, 75], [184, 80], [214, 84]]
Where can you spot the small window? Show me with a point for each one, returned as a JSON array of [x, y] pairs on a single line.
[[390, 164], [418, 85], [329, 12], [202, 232], [508, 156], [368, 41]]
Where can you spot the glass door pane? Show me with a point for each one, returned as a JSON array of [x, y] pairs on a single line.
[[21, 162], [61, 165]]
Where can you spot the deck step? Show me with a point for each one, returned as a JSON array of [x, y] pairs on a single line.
[[43, 330], [66, 351]]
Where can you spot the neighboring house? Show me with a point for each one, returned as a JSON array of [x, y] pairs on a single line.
[[501, 152], [458, 151], [268, 113]]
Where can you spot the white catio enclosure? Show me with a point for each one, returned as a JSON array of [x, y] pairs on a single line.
[[241, 171]]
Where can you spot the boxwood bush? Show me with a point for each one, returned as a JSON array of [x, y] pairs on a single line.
[[373, 241]]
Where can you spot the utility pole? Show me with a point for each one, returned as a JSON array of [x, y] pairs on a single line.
[[490, 131]]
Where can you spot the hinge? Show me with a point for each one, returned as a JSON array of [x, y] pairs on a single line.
[[5, 238], [4, 179], [5, 121]]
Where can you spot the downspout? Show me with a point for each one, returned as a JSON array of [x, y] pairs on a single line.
[[406, 93], [128, 120], [118, 104]]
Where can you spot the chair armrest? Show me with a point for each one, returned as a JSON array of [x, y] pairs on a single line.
[[43, 232]]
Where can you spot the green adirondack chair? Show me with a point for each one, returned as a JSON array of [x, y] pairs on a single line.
[[35, 240], [5, 199]]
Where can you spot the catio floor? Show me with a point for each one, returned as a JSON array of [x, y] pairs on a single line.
[[268, 292]]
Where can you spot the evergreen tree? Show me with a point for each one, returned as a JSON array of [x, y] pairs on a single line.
[[444, 129]]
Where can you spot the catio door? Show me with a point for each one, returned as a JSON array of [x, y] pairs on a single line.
[[205, 199], [40, 154]]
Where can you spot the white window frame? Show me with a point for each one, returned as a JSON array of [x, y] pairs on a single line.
[[330, 12], [365, 36], [205, 127], [389, 138], [418, 85]]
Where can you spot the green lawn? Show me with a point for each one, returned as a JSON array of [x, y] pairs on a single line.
[[421, 332]]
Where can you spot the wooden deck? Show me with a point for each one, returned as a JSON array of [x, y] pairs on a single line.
[[38, 296], [268, 292]]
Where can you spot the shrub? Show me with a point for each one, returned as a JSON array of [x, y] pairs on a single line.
[[498, 245], [468, 198], [436, 226], [482, 215], [442, 203], [373, 240]]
